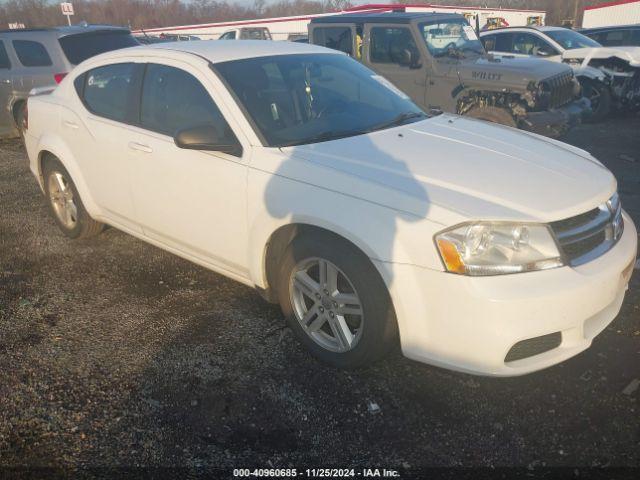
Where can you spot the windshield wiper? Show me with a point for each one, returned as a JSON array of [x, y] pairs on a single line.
[[399, 120], [321, 137]]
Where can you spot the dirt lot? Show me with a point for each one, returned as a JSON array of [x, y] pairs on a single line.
[[115, 353]]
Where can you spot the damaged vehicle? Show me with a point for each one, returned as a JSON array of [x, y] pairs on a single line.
[[439, 62], [610, 76]]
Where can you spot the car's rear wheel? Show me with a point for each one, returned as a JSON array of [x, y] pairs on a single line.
[[65, 203], [493, 115], [600, 97], [336, 302]]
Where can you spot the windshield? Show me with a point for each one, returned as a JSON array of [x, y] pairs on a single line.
[[569, 39], [81, 46], [453, 38], [300, 99]]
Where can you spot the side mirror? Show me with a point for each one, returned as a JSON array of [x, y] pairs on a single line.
[[409, 58], [540, 53], [205, 137]]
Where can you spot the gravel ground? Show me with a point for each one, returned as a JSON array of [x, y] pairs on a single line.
[[115, 353]]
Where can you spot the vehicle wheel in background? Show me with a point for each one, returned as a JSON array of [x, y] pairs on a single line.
[[18, 116], [65, 203], [336, 302], [600, 97], [493, 115]]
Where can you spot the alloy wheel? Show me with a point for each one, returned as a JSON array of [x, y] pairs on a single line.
[[326, 304], [62, 199]]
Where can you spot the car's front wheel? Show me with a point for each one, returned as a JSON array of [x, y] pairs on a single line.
[[336, 302], [65, 203], [600, 97]]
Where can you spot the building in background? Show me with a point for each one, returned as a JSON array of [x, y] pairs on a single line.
[[621, 12], [286, 28]]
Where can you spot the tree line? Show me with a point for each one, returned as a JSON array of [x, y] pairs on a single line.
[[159, 13]]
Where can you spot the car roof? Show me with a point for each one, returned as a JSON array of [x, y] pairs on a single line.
[[384, 17], [65, 30], [217, 51]]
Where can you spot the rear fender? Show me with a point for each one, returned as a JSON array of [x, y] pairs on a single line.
[[53, 144]]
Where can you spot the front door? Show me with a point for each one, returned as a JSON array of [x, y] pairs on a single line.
[[391, 51], [190, 200]]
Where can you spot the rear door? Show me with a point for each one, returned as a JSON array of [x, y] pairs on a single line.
[[6, 117], [339, 36], [98, 128], [392, 51]]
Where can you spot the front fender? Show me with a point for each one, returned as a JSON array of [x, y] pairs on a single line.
[[591, 73], [381, 233]]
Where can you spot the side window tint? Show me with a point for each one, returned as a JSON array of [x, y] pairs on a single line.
[[390, 45], [529, 44], [4, 58], [635, 37], [173, 100], [617, 38], [504, 43], [78, 83], [111, 91], [489, 42], [31, 54], [337, 38], [228, 36]]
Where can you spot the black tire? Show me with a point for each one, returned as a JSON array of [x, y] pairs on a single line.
[[493, 115], [84, 226], [599, 95], [379, 327], [18, 116]]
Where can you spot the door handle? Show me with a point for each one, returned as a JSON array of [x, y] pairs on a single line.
[[70, 124], [140, 147]]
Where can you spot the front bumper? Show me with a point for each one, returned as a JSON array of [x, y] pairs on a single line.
[[469, 324], [556, 122]]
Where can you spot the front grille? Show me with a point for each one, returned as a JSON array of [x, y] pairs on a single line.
[[533, 346], [560, 89], [589, 235]]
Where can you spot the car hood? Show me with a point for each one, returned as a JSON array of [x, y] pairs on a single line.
[[473, 168], [510, 69], [628, 54]]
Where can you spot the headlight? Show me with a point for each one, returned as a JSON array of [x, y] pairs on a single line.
[[497, 248]]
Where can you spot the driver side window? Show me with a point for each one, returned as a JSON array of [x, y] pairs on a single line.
[[390, 45], [174, 100]]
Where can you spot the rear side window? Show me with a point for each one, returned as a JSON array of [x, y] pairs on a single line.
[[78, 48], [337, 38], [501, 43], [388, 45], [635, 37], [110, 91], [617, 38], [173, 100], [4, 58], [229, 35], [31, 54]]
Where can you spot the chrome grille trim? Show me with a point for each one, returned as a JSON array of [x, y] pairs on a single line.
[[561, 87], [590, 235]]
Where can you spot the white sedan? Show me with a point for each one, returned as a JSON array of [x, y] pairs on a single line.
[[609, 75], [296, 170]]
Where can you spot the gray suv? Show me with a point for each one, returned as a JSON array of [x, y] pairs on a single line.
[[31, 58], [438, 61]]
